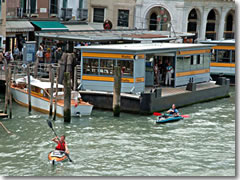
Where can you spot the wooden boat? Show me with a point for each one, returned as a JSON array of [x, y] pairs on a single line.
[[167, 119], [40, 97], [57, 156]]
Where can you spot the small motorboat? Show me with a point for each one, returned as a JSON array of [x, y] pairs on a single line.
[[57, 156], [168, 118]]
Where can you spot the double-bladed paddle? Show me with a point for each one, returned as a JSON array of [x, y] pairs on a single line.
[[50, 125], [159, 114]]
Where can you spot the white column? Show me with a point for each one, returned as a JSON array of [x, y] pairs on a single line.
[[220, 33], [202, 35]]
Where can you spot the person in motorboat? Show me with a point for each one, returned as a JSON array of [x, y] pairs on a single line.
[[61, 144], [173, 111]]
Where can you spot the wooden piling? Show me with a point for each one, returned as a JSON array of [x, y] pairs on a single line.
[[75, 79], [51, 76], [117, 91], [29, 89], [55, 107], [6, 88], [67, 97], [9, 90], [5, 128]]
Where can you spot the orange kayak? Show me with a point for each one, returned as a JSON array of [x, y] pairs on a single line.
[[57, 156]]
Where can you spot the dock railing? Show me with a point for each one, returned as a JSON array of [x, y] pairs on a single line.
[[18, 69]]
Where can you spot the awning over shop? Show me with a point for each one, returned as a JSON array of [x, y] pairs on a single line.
[[19, 26], [49, 25]]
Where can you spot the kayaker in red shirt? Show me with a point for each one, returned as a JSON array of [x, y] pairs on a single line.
[[62, 146]]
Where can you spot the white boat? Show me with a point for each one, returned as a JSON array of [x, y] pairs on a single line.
[[40, 97]]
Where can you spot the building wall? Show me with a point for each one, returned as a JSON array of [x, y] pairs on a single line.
[[74, 4], [179, 11], [43, 8], [3, 24], [111, 11]]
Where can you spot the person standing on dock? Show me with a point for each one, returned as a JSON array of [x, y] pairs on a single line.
[[1, 56], [169, 72]]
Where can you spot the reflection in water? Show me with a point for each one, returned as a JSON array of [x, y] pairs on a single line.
[[132, 145]]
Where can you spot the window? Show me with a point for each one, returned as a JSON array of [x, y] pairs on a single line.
[[224, 56], [80, 4], [123, 16], [90, 66], [54, 7], [33, 6], [198, 59], [233, 56], [64, 4], [213, 57], [106, 67], [126, 67], [98, 15]]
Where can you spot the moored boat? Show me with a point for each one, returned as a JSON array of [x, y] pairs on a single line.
[[40, 97], [57, 156], [166, 119]]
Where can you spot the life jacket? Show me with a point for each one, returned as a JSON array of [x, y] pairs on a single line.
[[60, 146]]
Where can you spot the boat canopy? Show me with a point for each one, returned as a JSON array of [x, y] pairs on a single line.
[[45, 85], [38, 83]]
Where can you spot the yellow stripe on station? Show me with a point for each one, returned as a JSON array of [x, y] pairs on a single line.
[[110, 79], [201, 51], [107, 55], [224, 47], [222, 64], [189, 73]]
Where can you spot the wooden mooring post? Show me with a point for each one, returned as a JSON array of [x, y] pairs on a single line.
[[9, 90], [75, 79], [51, 77], [6, 88], [117, 91], [67, 97], [55, 107], [29, 90]]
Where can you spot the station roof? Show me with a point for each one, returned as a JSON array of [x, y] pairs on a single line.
[[225, 42], [145, 47], [111, 35]]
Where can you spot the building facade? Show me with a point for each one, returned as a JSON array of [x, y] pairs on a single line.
[[2, 23], [120, 13], [209, 19]]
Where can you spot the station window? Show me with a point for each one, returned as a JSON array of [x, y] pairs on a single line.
[[213, 57], [106, 67], [126, 67], [224, 56], [90, 66], [233, 56]]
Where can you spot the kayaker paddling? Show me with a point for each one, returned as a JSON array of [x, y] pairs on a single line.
[[173, 111], [61, 144]]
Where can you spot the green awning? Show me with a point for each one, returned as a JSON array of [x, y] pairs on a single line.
[[50, 25]]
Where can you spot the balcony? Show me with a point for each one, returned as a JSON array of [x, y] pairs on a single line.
[[66, 14], [82, 14]]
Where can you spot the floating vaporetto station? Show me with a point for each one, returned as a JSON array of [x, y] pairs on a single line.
[[190, 80]]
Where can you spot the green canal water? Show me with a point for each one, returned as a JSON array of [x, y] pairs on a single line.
[[132, 145]]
